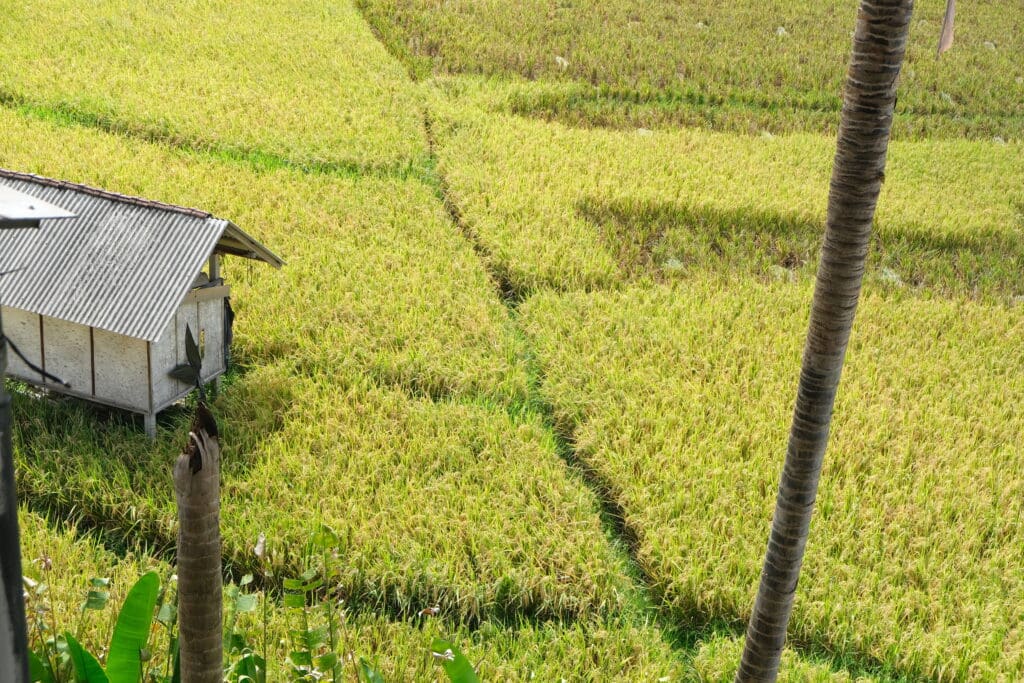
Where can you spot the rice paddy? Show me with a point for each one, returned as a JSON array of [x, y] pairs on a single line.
[[304, 82], [731, 66], [533, 354], [677, 399]]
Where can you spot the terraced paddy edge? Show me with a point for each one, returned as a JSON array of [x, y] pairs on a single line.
[[304, 81], [567, 209], [377, 281], [680, 397], [607, 62]]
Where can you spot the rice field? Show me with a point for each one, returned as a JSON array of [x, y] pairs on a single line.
[[730, 66], [565, 208], [61, 565], [302, 82], [678, 399], [533, 354]]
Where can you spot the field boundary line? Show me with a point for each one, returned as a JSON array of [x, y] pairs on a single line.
[[259, 160]]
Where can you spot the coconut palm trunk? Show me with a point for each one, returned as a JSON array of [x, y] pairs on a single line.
[[868, 103], [200, 601]]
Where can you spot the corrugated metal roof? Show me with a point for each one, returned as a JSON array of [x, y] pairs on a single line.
[[123, 265], [19, 210]]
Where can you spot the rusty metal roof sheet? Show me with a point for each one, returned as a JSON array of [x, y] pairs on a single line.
[[123, 265]]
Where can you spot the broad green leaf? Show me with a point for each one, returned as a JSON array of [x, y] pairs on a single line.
[[96, 600], [326, 662], [131, 632], [166, 614], [367, 674], [454, 663], [39, 671], [294, 600], [246, 602], [251, 667], [176, 676], [300, 658], [87, 669], [325, 539]]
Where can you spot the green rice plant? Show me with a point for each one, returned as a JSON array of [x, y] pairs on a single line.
[[732, 65], [306, 82], [378, 281], [585, 209], [677, 398]]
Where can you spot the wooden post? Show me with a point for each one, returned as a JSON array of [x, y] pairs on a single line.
[[214, 267], [13, 632], [149, 422]]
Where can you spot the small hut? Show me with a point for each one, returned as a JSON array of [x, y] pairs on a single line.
[[106, 302]]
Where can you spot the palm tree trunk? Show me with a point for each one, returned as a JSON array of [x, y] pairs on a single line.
[[200, 599], [869, 100], [13, 639]]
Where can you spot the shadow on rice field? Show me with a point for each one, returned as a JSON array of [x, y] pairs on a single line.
[[667, 240]]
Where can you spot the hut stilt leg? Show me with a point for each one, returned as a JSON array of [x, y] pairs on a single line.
[[149, 421]]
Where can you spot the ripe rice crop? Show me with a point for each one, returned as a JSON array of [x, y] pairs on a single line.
[[679, 399], [587, 209], [61, 564], [481, 540], [737, 66], [378, 281], [303, 81], [449, 504]]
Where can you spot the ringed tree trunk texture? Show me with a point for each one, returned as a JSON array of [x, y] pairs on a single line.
[[13, 637], [869, 99], [200, 600]]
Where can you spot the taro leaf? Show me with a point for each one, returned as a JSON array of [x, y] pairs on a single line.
[[454, 663], [131, 632], [87, 669], [367, 674], [39, 671]]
